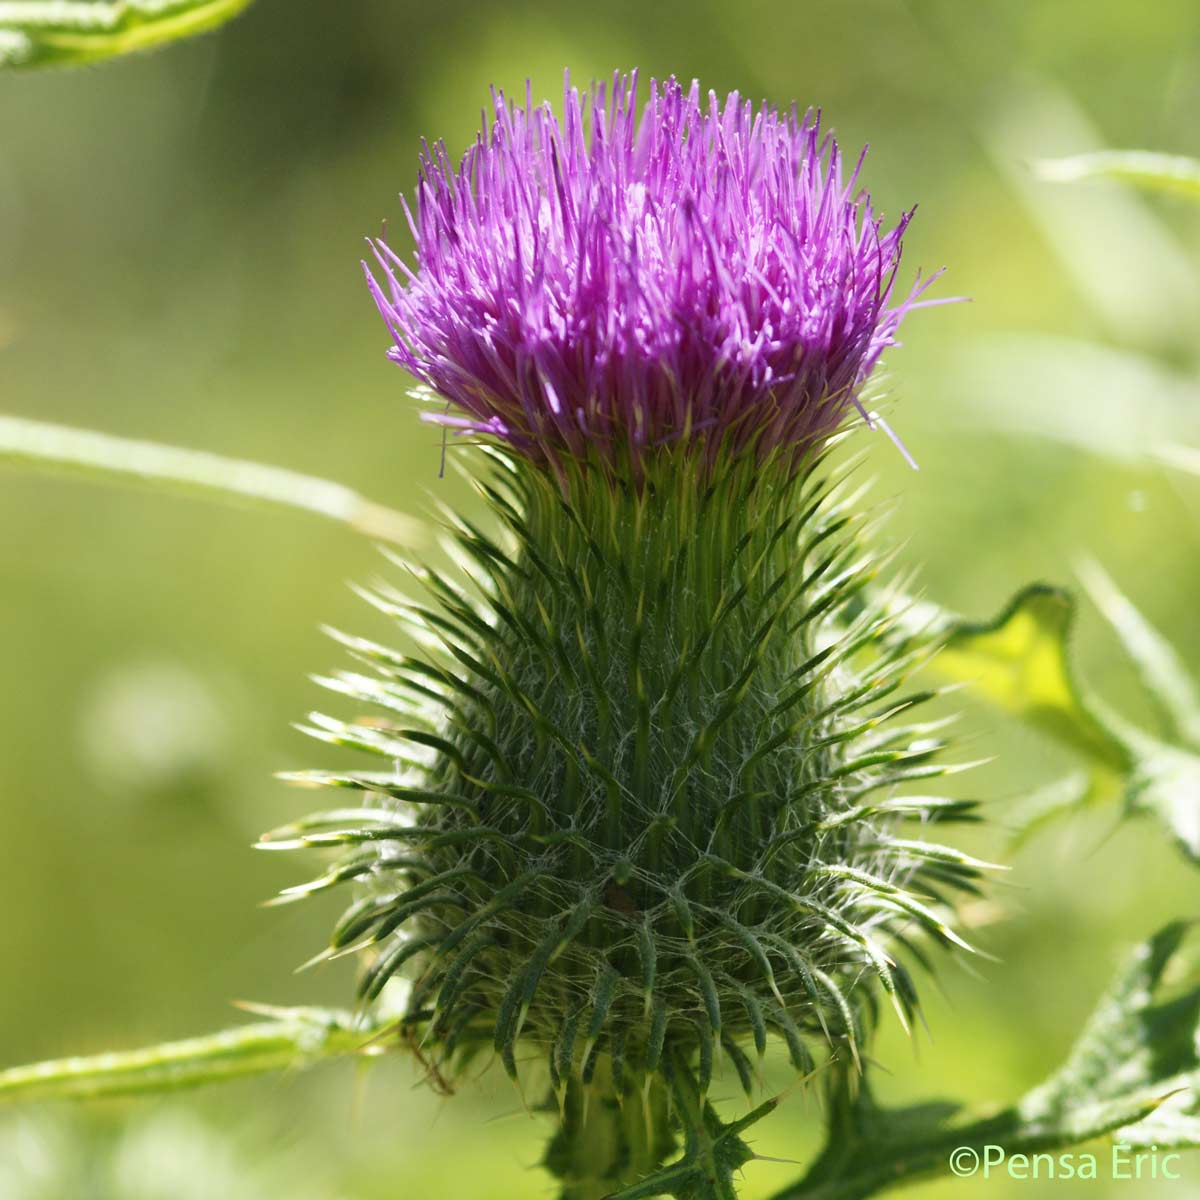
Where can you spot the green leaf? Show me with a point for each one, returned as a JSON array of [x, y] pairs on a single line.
[[1134, 1073], [1134, 1043], [295, 1038], [60, 449], [1145, 168], [1019, 662], [39, 33]]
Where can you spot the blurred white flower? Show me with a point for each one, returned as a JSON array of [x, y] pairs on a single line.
[[168, 1154], [154, 726]]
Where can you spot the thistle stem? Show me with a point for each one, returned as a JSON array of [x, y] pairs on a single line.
[[607, 1140]]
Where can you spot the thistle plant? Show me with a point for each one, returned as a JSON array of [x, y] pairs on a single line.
[[641, 800], [656, 789]]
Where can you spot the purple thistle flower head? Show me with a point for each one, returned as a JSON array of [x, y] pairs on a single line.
[[708, 275]]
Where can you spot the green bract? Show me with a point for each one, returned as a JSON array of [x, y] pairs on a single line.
[[640, 799]]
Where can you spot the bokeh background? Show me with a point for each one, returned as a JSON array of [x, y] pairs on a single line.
[[179, 245]]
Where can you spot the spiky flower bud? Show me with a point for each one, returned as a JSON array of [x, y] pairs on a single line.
[[639, 803]]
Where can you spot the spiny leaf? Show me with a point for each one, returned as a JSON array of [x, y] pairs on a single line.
[[741, 1063], [902, 900], [1134, 1073], [934, 852], [648, 956], [342, 872], [498, 903], [382, 915], [38, 33], [849, 1029], [756, 951], [931, 808], [1130, 1040], [656, 1038]]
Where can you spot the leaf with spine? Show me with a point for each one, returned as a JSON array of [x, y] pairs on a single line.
[[1145, 168], [1140, 1041], [1133, 1074], [60, 449], [294, 1038], [45, 33]]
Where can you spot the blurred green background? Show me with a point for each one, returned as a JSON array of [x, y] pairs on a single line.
[[180, 237]]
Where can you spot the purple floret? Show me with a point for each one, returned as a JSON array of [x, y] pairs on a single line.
[[706, 275]]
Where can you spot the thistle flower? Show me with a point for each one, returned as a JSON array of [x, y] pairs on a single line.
[[642, 796], [707, 274]]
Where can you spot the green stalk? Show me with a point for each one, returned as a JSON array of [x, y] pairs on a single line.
[[297, 1038], [607, 1141], [60, 449]]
